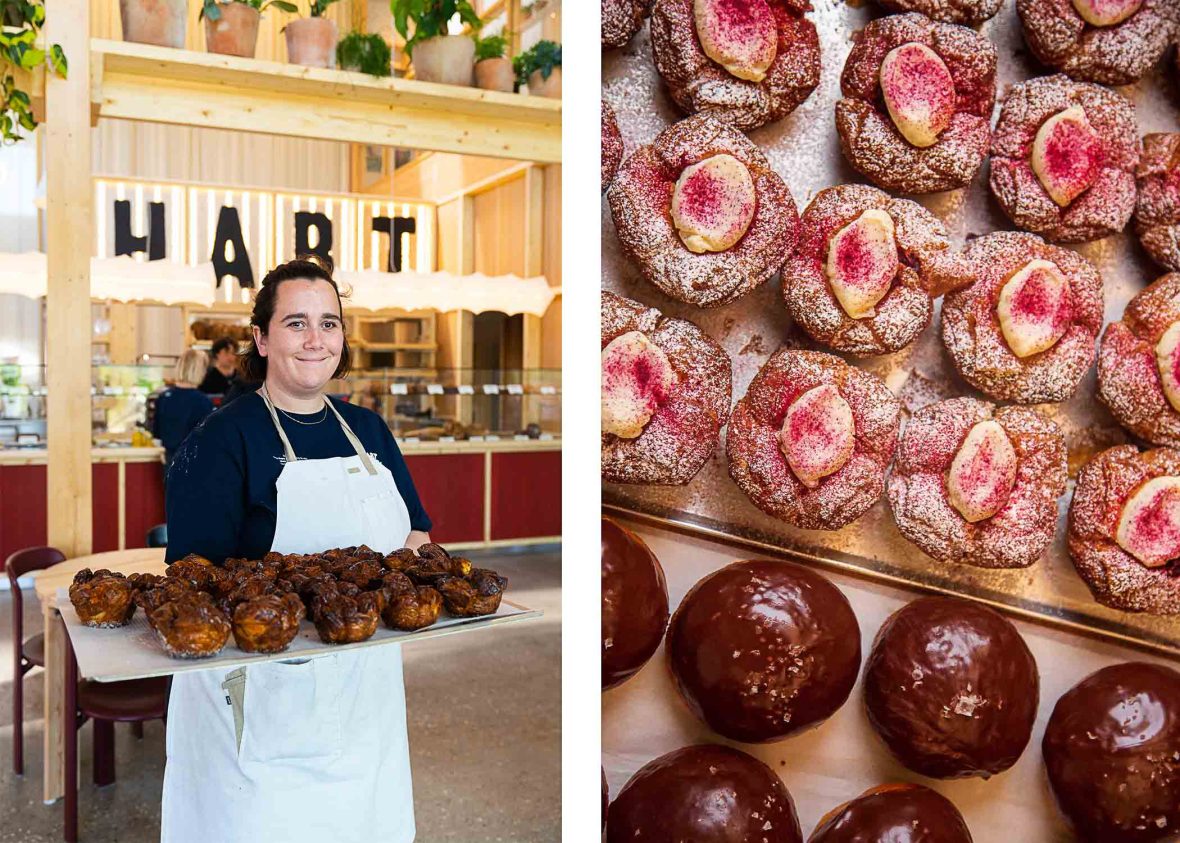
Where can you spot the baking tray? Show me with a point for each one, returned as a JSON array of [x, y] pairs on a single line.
[[134, 652], [804, 150]]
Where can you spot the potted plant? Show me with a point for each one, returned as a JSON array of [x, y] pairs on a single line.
[[22, 107], [437, 56], [540, 68], [159, 22], [364, 52], [231, 26], [493, 72], [311, 41]]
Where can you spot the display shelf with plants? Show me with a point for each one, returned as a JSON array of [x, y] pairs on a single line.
[[182, 87]]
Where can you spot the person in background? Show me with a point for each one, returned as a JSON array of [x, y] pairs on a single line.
[[223, 372], [182, 406]]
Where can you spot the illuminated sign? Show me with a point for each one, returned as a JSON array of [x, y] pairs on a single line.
[[245, 232]]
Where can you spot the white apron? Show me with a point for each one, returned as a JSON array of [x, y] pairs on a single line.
[[324, 754]]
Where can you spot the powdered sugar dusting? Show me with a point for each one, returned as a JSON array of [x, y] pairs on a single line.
[[1157, 211]]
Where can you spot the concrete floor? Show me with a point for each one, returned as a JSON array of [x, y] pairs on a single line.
[[484, 721]]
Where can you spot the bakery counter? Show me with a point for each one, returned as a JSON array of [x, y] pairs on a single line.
[[128, 497], [489, 492]]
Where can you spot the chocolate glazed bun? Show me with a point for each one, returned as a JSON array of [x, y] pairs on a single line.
[[1112, 751], [763, 650], [951, 688], [703, 794], [634, 604], [894, 813]]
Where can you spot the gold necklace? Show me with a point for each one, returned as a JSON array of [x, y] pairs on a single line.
[[323, 416]]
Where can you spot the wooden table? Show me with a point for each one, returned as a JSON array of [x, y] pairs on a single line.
[[47, 582]]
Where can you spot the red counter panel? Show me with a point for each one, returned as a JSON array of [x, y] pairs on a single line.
[[451, 488], [526, 494], [22, 508], [145, 500], [105, 498]]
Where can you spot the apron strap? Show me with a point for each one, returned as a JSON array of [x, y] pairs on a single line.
[[352, 437], [288, 451], [366, 460]]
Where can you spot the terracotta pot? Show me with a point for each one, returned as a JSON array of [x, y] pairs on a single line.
[[311, 42], [495, 75], [550, 87], [159, 22], [235, 33], [448, 59]]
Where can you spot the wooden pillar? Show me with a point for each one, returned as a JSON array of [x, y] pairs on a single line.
[[515, 19], [124, 335], [69, 234], [463, 321], [534, 239]]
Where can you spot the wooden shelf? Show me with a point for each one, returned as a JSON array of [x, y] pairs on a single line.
[[187, 88]]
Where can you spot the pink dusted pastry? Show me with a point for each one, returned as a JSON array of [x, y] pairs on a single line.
[[1157, 210], [918, 96], [1114, 42], [745, 62], [612, 146], [977, 484], [621, 19], [965, 12], [810, 440], [1025, 330], [1124, 529], [665, 394], [867, 267], [1139, 364], [702, 213], [1063, 159]]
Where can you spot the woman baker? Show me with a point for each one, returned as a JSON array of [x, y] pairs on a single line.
[[323, 753]]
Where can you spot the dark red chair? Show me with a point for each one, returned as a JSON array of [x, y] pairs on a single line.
[[28, 653], [106, 703]]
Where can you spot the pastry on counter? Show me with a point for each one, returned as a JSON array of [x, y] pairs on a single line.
[[706, 794], [1063, 161], [746, 63], [634, 604], [866, 269], [1026, 329], [977, 484], [473, 595], [621, 19], [810, 440], [901, 813], [951, 688], [341, 618], [918, 97], [666, 389], [102, 598], [1124, 529], [702, 214], [1157, 210], [612, 146], [267, 624], [1139, 364], [191, 626], [763, 650], [1112, 752], [1114, 42]]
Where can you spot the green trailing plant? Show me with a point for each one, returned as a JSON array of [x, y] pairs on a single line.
[[492, 47], [430, 18], [20, 24], [211, 8], [366, 52], [542, 56]]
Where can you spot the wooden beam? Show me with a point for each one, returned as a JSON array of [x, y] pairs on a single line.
[[69, 237], [534, 240], [178, 87]]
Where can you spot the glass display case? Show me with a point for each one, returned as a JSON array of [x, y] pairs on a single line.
[[460, 404]]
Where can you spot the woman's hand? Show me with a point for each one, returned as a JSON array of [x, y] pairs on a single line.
[[416, 539]]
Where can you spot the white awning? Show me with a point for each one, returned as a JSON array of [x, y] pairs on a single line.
[[444, 292], [126, 279], [116, 279]]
